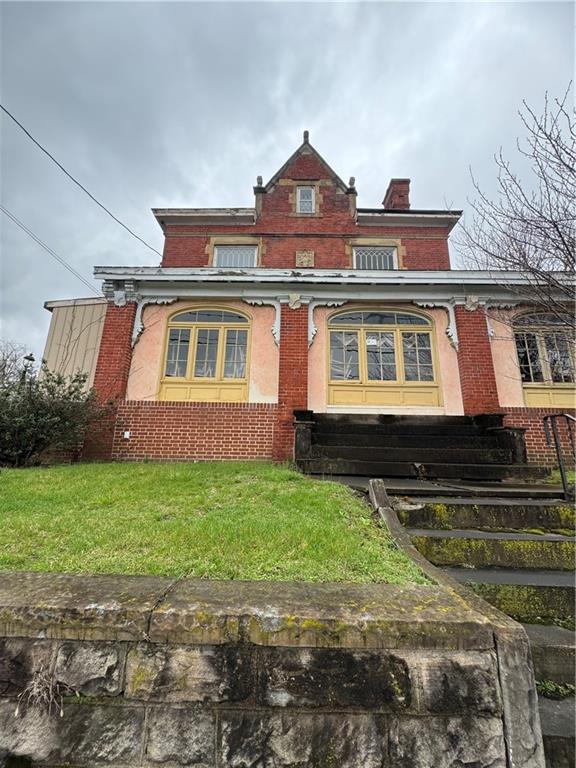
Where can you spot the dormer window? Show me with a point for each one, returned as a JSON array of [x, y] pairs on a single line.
[[305, 200], [377, 257]]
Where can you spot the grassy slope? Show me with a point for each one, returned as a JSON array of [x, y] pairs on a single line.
[[216, 520]]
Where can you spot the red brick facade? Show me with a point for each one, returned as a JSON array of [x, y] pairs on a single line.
[[477, 378], [531, 420], [293, 377], [180, 431], [200, 430]]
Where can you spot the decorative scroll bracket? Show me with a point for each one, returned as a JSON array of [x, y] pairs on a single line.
[[451, 330], [271, 303], [142, 302], [312, 329]]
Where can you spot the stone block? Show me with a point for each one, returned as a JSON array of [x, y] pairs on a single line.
[[334, 678], [186, 673], [302, 740], [417, 742], [184, 736], [20, 659], [92, 669], [453, 683], [85, 735]]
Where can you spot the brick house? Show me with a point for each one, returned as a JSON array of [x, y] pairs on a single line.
[[307, 303]]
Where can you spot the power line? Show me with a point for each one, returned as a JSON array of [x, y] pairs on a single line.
[[90, 195], [47, 248]]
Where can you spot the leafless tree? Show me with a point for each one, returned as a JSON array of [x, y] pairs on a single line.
[[14, 359], [530, 226]]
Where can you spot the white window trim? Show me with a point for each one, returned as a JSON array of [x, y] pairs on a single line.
[[236, 245], [394, 257], [298, 200]]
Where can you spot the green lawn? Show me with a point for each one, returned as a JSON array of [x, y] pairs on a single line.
[[210, 520]]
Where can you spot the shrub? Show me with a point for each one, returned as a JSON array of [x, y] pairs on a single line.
[[42, 410]]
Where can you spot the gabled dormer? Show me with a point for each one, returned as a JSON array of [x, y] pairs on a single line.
[[303, 190]]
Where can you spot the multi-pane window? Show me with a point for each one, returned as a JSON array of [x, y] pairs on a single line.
[[207, 344], [375, 257], [380, 356], [417, 354], [374, 346], [305, 202], [344, 356], [177, 354], [545, 353], [235, 256]]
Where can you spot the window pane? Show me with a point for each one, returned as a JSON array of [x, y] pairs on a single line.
[[378, 318], [206, 353], [528, 357], [209, 316], [380, 356], [235, 256], [235, 354], [374, 257], [305, 199], [177, 354], [417, 349], [344, 356], [558, 355]]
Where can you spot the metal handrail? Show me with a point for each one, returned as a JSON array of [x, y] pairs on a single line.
[[550, 423]]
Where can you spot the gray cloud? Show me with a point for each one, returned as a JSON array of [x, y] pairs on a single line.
[[183, 104]]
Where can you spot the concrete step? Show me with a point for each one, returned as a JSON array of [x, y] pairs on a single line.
[[427, 454], [385, 419], [558, 731], [553, 653], [417, 491], [528, 595], [488, 514], [478, 472], [489, 549]]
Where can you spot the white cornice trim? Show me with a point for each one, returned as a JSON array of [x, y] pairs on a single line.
[[272, 303], [143, 302], [312, 329]]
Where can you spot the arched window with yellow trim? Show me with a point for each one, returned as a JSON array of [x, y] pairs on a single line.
[[547, 360], [206, 356], [382, 357]]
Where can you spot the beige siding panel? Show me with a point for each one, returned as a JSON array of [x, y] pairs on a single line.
[[74, 338]]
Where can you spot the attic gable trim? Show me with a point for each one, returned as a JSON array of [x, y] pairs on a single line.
[[294, 155]]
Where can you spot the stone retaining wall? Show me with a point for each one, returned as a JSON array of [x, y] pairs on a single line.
[[153, 672]]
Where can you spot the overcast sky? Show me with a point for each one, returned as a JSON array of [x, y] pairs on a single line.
[[184, 104]]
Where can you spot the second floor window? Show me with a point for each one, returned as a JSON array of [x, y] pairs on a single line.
[[305, 201], [235, 256], [375, 257]]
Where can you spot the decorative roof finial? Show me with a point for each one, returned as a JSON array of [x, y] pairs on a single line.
[[352, 182], [258, 181], [306, 134]]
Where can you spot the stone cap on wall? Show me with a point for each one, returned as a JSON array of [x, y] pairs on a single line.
[[165, 610]]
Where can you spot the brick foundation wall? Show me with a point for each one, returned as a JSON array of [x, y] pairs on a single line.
[[477, 377], [171, 431], [536, 448]]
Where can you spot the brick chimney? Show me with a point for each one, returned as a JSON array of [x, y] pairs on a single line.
[[397, 195]]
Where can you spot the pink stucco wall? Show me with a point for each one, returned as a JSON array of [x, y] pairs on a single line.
[[146, 368], [447, 374], [506, 368]]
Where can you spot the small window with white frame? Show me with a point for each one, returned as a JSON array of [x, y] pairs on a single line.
[[305, 200], [376, 257], [239, 256]]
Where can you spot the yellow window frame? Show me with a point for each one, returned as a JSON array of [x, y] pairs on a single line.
[[217, 388]]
